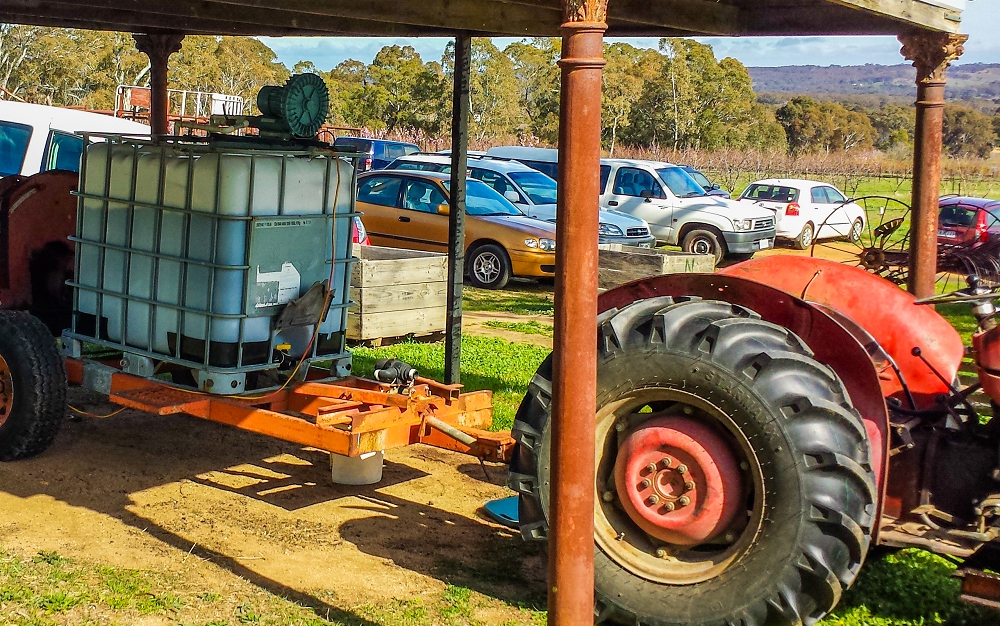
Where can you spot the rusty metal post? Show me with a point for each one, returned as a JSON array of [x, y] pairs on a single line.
[[574, 381], [460, 104], [931, 53], [158, 47]]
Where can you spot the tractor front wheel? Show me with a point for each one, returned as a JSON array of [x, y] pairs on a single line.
[[733, 478], [32, 386]]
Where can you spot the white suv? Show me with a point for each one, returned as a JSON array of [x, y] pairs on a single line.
[[806, 210], [533, 192], [679, 212]]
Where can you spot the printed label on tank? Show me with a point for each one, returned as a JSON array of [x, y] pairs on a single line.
[[277, 287]]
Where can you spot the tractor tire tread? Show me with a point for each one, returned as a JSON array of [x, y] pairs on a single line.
[[39, 375], [829, 444]]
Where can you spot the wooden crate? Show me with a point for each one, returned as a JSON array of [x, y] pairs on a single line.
[[397, 293], [622, 264]]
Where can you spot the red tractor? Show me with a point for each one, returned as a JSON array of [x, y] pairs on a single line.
[[760, 430]]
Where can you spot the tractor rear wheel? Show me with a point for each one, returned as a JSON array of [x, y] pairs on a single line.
[[733, 478], [32, 386]]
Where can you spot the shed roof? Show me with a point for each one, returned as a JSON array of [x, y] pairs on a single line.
[[652, 18]]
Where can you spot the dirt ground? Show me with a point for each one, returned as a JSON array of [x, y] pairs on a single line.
[[213, 505]]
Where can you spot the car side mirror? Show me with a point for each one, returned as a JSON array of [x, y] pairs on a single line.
[[512, 195], [444, 209], [716, 187], [646, 194]]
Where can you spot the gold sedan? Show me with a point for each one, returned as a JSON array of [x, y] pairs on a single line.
[[409, 209]]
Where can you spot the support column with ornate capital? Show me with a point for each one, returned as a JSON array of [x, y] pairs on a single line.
[[931, 53], [158, 47], [574, 364]]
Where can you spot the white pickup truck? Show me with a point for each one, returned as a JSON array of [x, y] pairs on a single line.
[[679, 212]]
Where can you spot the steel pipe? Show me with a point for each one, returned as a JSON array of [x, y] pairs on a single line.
[[574, 382], [460, 103]]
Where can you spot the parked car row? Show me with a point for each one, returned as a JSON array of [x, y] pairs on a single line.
[[642, 203]]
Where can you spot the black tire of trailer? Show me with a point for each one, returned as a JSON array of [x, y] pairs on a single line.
[[35, 382], [816, 528]]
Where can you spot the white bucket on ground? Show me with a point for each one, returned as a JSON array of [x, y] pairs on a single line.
[[361, 470]]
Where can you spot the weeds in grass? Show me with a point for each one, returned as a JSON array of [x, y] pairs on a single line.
[[531, 327]]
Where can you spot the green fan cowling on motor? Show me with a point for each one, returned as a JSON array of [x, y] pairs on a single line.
[[299, 107]]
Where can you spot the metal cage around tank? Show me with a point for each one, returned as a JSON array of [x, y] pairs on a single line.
[[188, 250]]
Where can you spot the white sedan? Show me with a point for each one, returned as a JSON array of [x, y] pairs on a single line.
[[806, 210]]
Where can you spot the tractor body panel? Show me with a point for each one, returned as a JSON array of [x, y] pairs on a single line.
[[37, 215], [831, 342], [882, 309]]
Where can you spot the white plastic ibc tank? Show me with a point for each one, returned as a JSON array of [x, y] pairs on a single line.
[[112, 223]]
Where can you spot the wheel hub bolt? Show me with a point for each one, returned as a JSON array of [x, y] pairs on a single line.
[[661, 553], [689, 485], [607, 496], [729, 537], [652, 468], [645, 483], [653, 500], [688, 410], [683, 501], [620, 427], [668, 507], [744, 465], [667, 461], [682, 469]]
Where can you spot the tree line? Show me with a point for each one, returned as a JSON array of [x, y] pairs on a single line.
[[676, 97]]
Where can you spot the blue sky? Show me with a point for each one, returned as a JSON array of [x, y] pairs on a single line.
[[981, 21]]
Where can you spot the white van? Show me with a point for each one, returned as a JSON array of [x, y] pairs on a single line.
[[36, 138]]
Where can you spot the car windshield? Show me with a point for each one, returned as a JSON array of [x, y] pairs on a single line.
[[680, 182], [358, 145], [482, 200], [700, 179], [771, 193], [13, 146], [958, 215], [539, 187]]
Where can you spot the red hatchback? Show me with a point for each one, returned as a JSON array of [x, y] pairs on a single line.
[[968, 221]]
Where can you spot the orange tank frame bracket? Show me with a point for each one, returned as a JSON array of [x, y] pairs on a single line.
[[349, 416]]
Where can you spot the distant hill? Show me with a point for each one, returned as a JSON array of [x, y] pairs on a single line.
[[969, 82]]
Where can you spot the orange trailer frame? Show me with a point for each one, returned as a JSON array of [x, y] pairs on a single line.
[[349, 416]]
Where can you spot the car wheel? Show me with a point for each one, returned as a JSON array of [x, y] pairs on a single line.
[[701, 241], [856, 231], [805, 238], [489, 267]]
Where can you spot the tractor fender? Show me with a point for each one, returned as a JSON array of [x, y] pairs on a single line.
[[832, 343], [883, 310], [37, 216]]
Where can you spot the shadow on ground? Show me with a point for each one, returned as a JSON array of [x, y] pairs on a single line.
[[101, 464]]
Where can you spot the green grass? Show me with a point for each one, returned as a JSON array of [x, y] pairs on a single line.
[[519, 297], [908, 588], [487, 363], [530, 327]]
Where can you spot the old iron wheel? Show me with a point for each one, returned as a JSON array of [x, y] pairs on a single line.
[[34, 386], [805, 238], [809, 455], [703, 241], [489, 267]]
